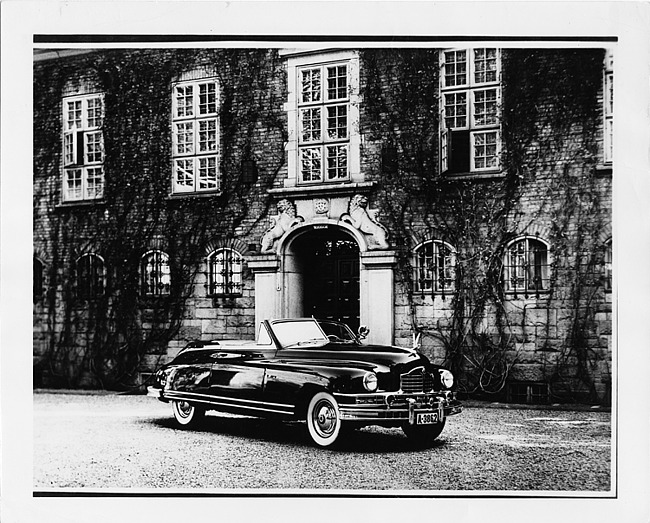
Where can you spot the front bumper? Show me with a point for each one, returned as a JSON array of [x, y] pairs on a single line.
[[396, 407], [156, 392]]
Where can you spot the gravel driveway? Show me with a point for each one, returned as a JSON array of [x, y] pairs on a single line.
[[112, 441]]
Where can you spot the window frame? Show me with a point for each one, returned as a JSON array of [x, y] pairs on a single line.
[[82, 159], [158, 256], [96, 286], [349, 151], [188, 160], [544, 268], [233, 257], [328, 136], [433, 271], [608, 108], [608, 263], [463, 139]]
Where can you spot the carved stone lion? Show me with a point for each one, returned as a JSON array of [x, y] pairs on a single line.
[[365, 221], [285, 220]]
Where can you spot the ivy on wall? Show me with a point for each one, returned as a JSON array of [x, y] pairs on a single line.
[[103, 340], [550, 117], [550, 128]]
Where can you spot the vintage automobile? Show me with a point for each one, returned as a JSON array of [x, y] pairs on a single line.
[[313, 370]]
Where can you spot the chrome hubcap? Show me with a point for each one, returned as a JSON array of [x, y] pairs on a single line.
[[325, 418], [184, 408]]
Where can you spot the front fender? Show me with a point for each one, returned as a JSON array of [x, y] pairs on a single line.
[[298, 383]]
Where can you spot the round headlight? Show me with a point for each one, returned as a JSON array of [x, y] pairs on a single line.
[[447, 378], [370, 382]]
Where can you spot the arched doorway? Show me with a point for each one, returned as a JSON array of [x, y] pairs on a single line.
[[328, 262]]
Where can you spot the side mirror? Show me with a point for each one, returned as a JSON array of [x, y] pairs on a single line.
[[363, 332]]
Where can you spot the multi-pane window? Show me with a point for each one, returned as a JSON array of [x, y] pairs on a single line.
[[83, 147], [608, 100], [195, 125], [155, 274], [38, 285], [90, 276], [470, 93], [434, 268], [323, 123], [526, 267], [225, 272]]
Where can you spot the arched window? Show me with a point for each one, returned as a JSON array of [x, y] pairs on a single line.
[[434, 267], [91, 276], [155, 274], [526, 267], [38, 284], [225, 272]]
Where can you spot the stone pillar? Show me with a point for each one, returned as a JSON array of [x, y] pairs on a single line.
[[267, 303], [377, 295]]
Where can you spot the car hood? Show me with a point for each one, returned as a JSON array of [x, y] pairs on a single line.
[[377, 358]]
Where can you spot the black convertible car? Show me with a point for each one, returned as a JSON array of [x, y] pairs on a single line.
[[313, 370]]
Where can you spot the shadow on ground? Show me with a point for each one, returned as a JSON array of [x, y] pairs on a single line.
[[370, 439]]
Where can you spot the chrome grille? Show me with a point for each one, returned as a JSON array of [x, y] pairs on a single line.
[[416, 380]]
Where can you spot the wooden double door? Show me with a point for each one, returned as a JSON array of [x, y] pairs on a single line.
[[331, 276]]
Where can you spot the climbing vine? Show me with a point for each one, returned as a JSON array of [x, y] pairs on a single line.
[[549, 186], [104, 340], [550, 114]]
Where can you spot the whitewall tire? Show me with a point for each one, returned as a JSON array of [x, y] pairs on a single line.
[[323, 419], [187, 414]]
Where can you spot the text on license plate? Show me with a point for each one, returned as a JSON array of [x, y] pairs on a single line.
[[426, 418]]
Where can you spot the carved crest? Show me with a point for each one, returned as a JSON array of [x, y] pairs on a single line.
[[321, 206]]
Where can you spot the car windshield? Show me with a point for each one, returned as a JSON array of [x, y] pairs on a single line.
[[338, 332], [290, 333]]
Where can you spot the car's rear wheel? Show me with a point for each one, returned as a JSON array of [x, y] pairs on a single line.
[[423, 434], [187, 414], [323, 419]]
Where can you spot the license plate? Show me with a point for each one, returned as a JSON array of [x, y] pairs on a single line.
[[426, 418]]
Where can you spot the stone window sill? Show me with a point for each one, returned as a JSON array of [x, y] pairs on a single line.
[[188, 195], [80, 204], [486, 175], [323, 189], [604, 169]]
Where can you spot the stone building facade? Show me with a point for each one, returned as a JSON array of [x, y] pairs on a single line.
[[457, 198]]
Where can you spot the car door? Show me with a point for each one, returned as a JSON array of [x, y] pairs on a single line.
[[238, 372]]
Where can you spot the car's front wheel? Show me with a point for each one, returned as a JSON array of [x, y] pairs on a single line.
[[323, 419], [423, 434], [186, 414]]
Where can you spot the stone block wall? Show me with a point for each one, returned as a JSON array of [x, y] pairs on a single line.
[[552, 186]]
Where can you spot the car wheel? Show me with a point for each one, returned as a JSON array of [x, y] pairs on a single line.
[[187, 414], [423, 434], [323, 419]]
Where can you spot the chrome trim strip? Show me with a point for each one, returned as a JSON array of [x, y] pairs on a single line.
[[230, 402], [352, 414], [399, 396]]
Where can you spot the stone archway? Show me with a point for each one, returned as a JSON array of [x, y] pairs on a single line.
[[282, 280]]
